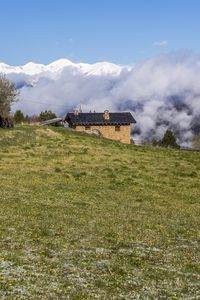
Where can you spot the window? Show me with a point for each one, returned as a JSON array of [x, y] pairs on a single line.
[[117, 128], [87, 127]]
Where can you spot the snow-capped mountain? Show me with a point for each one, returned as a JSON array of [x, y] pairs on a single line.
[[98, 69], [160, 92]]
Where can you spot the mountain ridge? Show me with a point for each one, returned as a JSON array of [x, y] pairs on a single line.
[[162, 93], [31, 68]]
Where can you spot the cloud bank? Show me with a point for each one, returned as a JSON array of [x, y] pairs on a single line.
[[161, 92]]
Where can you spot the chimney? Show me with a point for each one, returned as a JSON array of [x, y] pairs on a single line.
[[76, 112], [80, 109], [106, 115]]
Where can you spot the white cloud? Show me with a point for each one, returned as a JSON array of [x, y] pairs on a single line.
[[163, 43], [161, 93]]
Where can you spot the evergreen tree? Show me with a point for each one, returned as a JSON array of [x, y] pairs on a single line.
[[47, 115], [19, 117], [169, 140]]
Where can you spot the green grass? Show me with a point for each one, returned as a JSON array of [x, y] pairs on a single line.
[[88, 218]]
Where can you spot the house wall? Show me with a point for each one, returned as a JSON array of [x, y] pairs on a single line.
[[108, 131]]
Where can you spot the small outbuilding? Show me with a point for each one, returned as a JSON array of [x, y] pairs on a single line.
[[55, 121], [111, 125]]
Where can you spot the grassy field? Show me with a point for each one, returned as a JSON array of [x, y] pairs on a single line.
[[88, 218]]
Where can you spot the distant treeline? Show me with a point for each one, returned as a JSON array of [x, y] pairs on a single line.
[[20, 118]]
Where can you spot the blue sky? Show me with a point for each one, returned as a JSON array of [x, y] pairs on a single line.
[[119, 31]]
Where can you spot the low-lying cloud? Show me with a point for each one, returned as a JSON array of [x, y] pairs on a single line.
[[161, 92]]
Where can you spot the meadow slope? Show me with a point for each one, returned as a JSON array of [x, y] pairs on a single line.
[[88, 218]]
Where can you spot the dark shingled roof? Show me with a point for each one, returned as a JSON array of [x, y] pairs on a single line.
[[120, 118]]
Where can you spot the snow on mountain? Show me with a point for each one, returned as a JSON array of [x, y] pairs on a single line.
[[6, 69], [59, 65], [161, 92], [32, 68], [97, 69], [101, 68]]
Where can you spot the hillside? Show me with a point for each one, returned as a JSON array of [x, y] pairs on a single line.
[[168, 101], [89, 218]]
